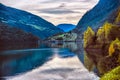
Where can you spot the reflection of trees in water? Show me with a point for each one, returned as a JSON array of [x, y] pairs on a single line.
[[73, 46], [88, 62], [76, 47], [101, 62]]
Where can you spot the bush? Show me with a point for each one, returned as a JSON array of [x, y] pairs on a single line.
[[112, 75]]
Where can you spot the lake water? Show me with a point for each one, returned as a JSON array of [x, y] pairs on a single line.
[[19, 61]]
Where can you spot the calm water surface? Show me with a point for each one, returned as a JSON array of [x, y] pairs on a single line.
[[18, 61]]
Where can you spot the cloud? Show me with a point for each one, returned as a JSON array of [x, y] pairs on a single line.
[[55, 11], [62, 5]]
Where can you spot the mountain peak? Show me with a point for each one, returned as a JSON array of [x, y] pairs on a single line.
[[66, 27]]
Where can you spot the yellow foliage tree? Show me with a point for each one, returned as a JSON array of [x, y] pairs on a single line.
[[104, 31], [88, 36], [113, 46]]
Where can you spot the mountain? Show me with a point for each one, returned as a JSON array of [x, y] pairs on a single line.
[[28, 22], [66, 27], [97, 16], [10, 33], [11, 38]]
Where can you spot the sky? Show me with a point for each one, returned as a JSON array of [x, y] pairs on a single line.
[[54, 11]]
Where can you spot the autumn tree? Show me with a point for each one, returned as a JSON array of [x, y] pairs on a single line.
[[113, 46], [88, 36], [103, 32]]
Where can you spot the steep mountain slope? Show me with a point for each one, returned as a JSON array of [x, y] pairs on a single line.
[[66, 27], [98, 15], [10, 33], [11, 38], [27, 22]]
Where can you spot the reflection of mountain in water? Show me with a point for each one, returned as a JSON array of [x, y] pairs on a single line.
[[90, 60], [22, 61], [75, 47], [71, 45]]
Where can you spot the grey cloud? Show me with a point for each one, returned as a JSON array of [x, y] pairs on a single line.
[[86, 1], [62, 5], [56, 11], [73, 17], [56, 1], [46, 16]]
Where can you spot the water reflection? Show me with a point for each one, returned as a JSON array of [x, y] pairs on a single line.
[[14, 62], [99, 62], [75, 47], [70, 45]]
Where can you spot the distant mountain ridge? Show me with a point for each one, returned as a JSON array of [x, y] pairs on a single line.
[[66, 27], [27, 22], [97, 16]]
